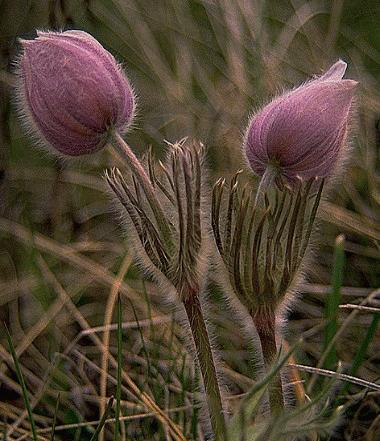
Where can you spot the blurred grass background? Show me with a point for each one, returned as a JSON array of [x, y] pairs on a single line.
[[199, 68]]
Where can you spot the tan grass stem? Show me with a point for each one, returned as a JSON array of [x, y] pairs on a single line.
[[106, 335], [148, 402]]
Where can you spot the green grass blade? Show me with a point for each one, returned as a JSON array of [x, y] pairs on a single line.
[[144, 348], [362, 351], [55, 419], [360, 355], [22, 384], [4, 428], [103, 420], [333, 301], [119, 364]]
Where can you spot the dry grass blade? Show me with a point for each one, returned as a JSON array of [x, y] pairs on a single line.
[[361, 308], [348, 220], [141, 396], [338, 334], [103, 420], [65, 253], [106, 335], [337, 375], [110, 421], [159, 320], [23, 385]]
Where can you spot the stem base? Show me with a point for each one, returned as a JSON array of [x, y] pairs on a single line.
[[207, 365], [267, 335]]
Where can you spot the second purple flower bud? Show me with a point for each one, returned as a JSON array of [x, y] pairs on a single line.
[[302, 133]]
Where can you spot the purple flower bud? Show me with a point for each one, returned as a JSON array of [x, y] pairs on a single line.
[[72, 92], [301, 134]]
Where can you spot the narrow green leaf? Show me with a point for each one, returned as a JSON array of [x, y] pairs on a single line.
[[256, 250], [103, 420], [119, 369], [236, 245], [362, 351], [197, 170], [191, 248], [360, 355], [217, 193], [180, 210], [333, 301], [230, 213], [144, 347], [152, 175], [22, 384], [55, 419], [312, 217]]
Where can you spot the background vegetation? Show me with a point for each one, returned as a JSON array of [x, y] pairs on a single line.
[[199, 68]]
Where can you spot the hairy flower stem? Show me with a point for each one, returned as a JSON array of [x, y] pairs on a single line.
[[267, 335], [269, 176], [207, 365], [139, 172]]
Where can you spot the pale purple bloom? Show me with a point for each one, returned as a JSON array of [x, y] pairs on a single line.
[[302, 132], [72, 91]]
